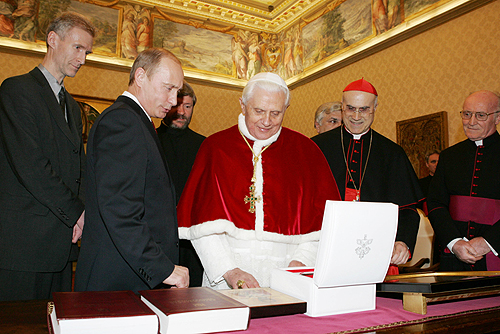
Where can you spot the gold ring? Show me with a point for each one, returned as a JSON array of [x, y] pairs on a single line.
[[240, 283]]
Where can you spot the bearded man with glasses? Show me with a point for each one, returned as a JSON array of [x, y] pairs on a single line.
[[370, 167], [464, 195]]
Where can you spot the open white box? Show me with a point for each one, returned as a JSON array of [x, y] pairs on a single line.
[[355, 248]]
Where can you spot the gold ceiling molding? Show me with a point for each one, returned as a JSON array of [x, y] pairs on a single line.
[[256, 6], [193, 23]]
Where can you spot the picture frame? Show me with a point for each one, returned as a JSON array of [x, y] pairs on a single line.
[[421, 135]]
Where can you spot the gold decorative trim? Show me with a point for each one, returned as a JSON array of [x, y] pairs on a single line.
[[243, 16], [50, 307]]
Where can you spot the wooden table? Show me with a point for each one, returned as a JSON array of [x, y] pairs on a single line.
[[29, 317], [23, 317]]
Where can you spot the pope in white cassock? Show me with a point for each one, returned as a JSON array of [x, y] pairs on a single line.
[[255, 197]]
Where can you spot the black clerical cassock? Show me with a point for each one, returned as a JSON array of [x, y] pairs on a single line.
[[464, 199], [380, 172]]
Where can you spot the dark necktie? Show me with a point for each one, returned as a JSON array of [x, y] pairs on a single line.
[[62, 101]]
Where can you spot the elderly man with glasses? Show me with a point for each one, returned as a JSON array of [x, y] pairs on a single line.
[[464, 195], [369, 167]]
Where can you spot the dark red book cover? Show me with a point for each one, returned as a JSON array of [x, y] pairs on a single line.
[[171, 301], [99, 304]]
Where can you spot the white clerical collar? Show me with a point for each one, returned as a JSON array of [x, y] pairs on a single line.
[[132, 96], [356, 136], [243, 128], [479, 142]]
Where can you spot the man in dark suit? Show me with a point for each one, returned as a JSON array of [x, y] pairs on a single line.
[[130, 240], [180, 145], [41, 168]]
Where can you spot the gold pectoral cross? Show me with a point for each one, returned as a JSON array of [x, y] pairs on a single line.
[[252, 199]]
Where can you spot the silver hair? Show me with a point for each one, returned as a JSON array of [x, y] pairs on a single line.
[[325, 109], [267, 86]]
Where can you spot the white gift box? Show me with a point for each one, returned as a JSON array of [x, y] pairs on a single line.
[[354, 253]]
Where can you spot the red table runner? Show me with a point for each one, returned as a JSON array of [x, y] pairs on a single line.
[[389, 313]]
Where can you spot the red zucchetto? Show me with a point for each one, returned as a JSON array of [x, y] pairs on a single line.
[[361, 85]]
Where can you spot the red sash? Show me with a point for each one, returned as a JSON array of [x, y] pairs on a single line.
[[478, 210]]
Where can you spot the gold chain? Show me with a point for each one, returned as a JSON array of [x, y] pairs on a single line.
[[252, 199]]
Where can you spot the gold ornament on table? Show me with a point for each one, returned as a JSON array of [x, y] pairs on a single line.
[[252, 198]]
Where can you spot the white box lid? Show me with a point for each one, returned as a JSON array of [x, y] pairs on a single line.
[[356, 243]]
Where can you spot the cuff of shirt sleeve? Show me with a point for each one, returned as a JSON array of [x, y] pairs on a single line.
[[492, 249], [306, 253], [453, 242], [215, 266]]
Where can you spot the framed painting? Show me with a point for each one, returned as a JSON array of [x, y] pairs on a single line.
[[90, 108], [421, 135], [198, 49]]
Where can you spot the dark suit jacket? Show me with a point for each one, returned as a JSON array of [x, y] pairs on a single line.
[[130, 239], [180, 148], [41, 169]]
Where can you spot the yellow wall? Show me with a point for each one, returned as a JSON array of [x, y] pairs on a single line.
[[430, 72]]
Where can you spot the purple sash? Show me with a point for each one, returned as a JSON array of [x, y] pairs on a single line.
[[479, 210]]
